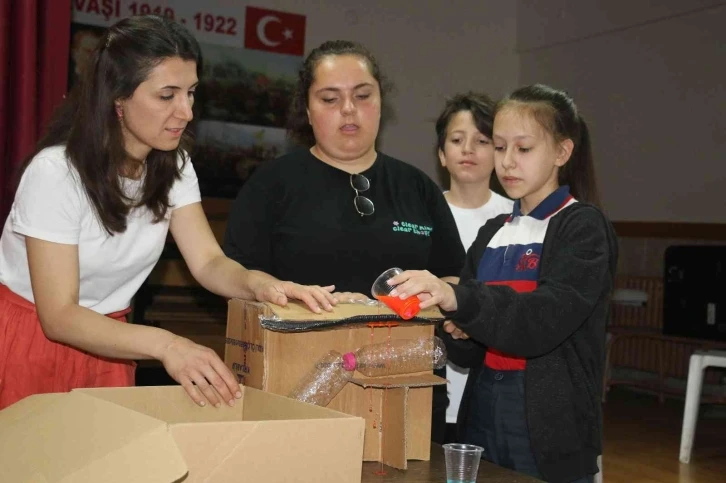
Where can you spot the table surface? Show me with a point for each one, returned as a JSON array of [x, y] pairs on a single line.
[[434, 471]]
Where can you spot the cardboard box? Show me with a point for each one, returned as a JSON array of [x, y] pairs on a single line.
[[157, 434], [397, 411]]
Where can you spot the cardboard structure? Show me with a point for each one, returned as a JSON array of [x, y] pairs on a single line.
[[157, 434], [396, 409]]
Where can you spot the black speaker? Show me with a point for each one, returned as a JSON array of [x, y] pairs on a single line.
[[694, 292]]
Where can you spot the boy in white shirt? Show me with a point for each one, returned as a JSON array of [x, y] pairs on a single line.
[[465, 150]]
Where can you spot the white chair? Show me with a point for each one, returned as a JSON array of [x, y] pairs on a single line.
[[598, 475], [699, 361], [629, 296]]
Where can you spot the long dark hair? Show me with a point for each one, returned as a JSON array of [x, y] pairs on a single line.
[[557, 113], [87, 123], [299, 129]]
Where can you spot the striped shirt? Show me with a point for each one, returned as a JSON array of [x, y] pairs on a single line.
[[512, 258]]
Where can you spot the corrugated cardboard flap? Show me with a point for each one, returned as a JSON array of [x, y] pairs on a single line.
[[404, 380], [65, 438], [26, 407], [273, 451], [297, 317], [279, 440], [170, 404]]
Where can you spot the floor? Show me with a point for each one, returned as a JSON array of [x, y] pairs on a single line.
[[642, 440]]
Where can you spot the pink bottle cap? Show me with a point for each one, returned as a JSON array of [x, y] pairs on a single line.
[[349, 362]]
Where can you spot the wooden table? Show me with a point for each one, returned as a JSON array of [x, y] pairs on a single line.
[[434, 471]]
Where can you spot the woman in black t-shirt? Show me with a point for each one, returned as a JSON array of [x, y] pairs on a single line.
[[340, 212]]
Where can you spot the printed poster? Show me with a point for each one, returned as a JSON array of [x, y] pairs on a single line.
[[251, 56]]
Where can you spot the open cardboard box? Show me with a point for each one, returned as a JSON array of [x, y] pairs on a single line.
[[157, 434], [397, 411]]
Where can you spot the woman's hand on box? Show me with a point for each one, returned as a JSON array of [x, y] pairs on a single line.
[[314, 296], [350, 297], [200, 371], [430, 289]]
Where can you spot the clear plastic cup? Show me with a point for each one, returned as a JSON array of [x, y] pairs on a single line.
[[462, 462], [406, 308]]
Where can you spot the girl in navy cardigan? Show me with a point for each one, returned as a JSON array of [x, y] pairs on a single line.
[[529, 314]]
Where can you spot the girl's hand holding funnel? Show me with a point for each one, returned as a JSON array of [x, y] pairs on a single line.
[[424, 285], [407, 308]]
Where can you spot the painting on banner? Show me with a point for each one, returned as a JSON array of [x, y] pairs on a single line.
[[251, 56]]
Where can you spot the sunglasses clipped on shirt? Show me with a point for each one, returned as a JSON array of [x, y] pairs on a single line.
[[363, 205]]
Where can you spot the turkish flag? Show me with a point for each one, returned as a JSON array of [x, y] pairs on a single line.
[[273, 31]]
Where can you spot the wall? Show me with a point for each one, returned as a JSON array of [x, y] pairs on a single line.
[[648, 76]]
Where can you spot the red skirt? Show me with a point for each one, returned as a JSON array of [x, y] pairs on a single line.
[[30, 363]]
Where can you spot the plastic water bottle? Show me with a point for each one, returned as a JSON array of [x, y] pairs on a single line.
[[323, 382], [400, 356]]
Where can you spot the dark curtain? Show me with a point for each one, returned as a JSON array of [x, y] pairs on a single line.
[[34, 48]]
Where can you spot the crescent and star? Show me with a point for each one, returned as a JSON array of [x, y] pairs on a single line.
[[262, 24]]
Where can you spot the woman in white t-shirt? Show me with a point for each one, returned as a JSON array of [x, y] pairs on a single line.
[[90, 218], [465, 150]]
